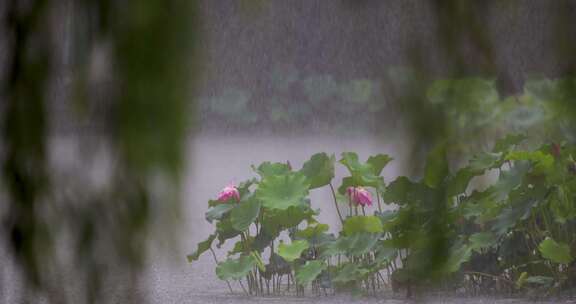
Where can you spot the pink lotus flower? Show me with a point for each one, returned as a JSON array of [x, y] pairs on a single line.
[[359, 196], [228, 192]]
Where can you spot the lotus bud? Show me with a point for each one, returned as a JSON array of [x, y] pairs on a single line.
[[228, 192]]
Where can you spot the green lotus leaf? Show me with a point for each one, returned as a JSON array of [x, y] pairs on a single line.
[[245, 213], [309, 272], [235, 269], [350, 160], [459, 183], [389, 218], [276, 220], [293, 251], [521, 279], [482, 240], [214, 203], [355, 224], [202, 247], [561, 203], [312, 231], [242, 246], [346, 182], [519, 207], [354, 245], [378, 162], [362, 243], [555, 252], [458, 255], [361, 174], [271, 169], [282, 191], [244, 186], [263, 239], [509, 180], [348, 273], [543, 162], [225, 231], [484, 161], [436, 167], [402, 191], [315, 234], [319, 170], [385, 254], [218, 211]]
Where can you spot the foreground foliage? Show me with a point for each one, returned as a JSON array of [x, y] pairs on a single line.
[[513, 235]]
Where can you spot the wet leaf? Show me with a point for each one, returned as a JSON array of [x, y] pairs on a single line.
[[225, 231], [282, 191], [361, 174], [459, 183], [348, 273], [385, 254], [457, 256], [482, 240], [293, 251], [555, 252], [355, 224], [201, 248], [218, 211], [319, 170], [312, 231], [235, 269], [309, 272], [271, 169], [543, 162], [354, 245], [277, 220], [242, 246], [263, 239], [403, 191], [245, 213], [521, 279], [484, 161], [378, 162], [509, 180]]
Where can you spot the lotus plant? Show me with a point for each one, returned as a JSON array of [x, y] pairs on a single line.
[[536, 193]]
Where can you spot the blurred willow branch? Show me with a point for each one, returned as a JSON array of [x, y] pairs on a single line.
[[72, 243]]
